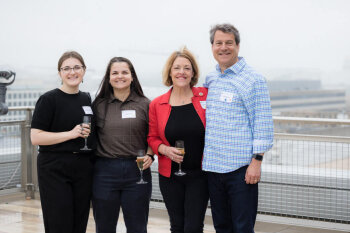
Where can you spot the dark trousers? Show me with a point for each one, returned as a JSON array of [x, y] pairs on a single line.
[[114, 186], [186, 199], [65, 183], [233, 202]]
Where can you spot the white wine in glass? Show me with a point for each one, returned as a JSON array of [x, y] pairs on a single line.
[[140, 160], [180, 145]]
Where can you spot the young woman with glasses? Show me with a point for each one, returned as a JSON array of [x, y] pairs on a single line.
[[64, 170]]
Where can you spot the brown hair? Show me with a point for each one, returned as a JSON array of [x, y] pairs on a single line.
[[105, 88], [70, 54], [185, 53]]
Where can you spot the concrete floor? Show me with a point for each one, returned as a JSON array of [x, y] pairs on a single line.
[[159, 223], [24, 216]]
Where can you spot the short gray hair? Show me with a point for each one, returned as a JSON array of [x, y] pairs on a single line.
[[225, 28]]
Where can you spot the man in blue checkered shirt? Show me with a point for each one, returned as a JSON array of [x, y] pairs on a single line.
[[239, 130]]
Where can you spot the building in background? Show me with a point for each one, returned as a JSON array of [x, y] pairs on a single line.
[[20, 97], [306, 98]]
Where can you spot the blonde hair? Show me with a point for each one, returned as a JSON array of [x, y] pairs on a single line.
[[185, 53]]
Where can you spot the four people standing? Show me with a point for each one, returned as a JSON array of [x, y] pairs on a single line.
[[180, 115], [227, 123], [239, 131]]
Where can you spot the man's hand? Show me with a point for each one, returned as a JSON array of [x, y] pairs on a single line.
[[253, 174]]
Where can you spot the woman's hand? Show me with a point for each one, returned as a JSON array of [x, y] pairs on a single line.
[[172, 153], [85, 131], [81, 130], [147, 162]]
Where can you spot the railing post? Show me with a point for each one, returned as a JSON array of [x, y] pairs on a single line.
[[30, 187], [23, 156], [34, 150]]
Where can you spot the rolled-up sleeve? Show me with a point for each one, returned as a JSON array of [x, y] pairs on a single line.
[[257, 101]]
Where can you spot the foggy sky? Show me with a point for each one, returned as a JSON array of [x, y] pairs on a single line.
[[276, 36]]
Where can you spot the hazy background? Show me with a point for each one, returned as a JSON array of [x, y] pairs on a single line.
[[290, 39]]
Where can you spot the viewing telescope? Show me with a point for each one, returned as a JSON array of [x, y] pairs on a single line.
[[6, 78]]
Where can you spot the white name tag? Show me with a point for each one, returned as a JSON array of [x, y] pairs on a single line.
[[226, 97], [128, 114], [203, 104], [87, 110]]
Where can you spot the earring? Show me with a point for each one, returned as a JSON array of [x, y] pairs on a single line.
[[82, 80]]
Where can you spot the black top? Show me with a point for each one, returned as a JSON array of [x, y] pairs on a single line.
[[185, 124], [57, 111]]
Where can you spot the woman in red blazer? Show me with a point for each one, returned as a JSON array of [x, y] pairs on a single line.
[[179, 114]]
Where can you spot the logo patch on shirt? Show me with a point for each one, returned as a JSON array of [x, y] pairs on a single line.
[[128, 114], [226, 97]]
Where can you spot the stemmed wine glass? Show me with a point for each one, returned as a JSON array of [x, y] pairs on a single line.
[[86, 120], [139, 160], [180, 145]]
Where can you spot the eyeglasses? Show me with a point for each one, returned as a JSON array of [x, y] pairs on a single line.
[[77, 69]]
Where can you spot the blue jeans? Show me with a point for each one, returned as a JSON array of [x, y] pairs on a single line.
[[233, 202], [114, 186]]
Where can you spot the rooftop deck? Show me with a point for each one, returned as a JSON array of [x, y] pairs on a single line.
[[18, 215]]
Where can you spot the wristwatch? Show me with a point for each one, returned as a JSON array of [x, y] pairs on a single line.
[[257, 157], [152, 156]]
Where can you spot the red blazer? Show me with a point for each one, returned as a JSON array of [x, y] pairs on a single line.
[[159, 112]]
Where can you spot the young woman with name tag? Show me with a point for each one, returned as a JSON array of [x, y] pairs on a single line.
[[122, 127], [64, 169], [176, 135]]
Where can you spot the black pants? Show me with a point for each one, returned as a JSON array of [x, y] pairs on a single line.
[[65, 184], [114, 186], [186, 199]]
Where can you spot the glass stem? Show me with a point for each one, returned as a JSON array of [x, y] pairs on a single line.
[[141, 172], [85, 142], [180, 167]]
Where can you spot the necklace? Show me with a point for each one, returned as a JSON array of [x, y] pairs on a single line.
[[177, 100]]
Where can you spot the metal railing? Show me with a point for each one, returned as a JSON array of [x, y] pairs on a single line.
[[308, 176], [17, 154], [304, 176]]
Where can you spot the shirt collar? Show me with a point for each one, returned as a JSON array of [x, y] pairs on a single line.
[[165, 98], [235, 68], [132, 97]]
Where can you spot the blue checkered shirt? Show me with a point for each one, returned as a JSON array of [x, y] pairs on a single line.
[[238, 118]]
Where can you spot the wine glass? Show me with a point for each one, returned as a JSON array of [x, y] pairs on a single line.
[[86, 120], [180, 145], [139, 159]]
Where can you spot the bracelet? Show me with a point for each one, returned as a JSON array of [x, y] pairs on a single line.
[[152, 157]]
